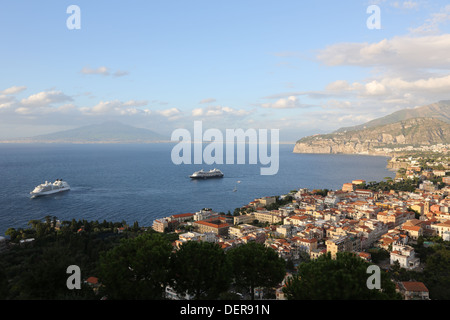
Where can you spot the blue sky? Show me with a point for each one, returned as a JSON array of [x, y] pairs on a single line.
[[303, 67]]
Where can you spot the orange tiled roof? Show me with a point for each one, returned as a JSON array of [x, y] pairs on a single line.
[[211, 224], [182, 215], [415, 286], [92, 280]]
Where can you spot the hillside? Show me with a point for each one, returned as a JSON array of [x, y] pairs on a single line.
[[108, 132], [439, 110], [371, 140]]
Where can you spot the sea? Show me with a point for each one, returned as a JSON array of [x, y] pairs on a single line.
[[141, 183]]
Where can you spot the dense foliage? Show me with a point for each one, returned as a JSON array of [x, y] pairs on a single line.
[[130, 263], [137, 268], [255, 265], [134, 263], [409, 185], [37, 269], [201, 270], [343, 278]]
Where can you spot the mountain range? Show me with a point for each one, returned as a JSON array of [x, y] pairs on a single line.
[[107, 132], [426, 125]]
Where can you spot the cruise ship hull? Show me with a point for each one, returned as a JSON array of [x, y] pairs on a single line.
[[46, 193], [206, 177]]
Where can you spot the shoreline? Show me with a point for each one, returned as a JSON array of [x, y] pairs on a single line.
[[388, 167], [287, 190]]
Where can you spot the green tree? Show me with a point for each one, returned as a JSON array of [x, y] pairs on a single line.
[[137, 268], [3, 284], [343, 278], [13, 234], [255, 265], [43, 274], [436, 275], [200, 269]]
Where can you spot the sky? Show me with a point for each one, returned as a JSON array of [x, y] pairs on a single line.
[[303, 67]]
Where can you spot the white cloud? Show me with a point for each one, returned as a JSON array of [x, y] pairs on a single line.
[[100, 70], [172, 113], [13, 90], [405, 5], [290, 102], [410, 5], [67, 108], [44, 99], [338, 85], [24, 111], [135, 103], [212, 111], [104, 71], [432, 24], [207, 100], [197, 112], [375, 88], [394, 88], [398, 53], [114, 107], [6, 101]]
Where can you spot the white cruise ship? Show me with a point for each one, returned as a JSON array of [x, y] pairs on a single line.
[[50, 188], [215, 173]]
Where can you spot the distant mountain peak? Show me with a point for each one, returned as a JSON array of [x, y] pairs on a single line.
[[427, 125], [438, 110], [105, 132]]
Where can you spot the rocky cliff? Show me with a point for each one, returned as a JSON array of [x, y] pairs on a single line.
[[415, 132]]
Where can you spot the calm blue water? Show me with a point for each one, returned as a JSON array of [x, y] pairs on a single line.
[[140, 183]]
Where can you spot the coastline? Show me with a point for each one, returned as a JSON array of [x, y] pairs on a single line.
[[223, 208]]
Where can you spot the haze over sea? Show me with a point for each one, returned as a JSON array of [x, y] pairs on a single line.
[[139, 182]]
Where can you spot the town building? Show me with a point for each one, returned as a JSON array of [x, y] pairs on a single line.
[[348, 187], [268, 216], [160, 225], [413, 290], [342, 244], [182, 217], [244, 218], [216, 225], [405, 255], [442, 229]]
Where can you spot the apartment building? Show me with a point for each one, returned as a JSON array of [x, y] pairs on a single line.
[[160, 225], [307, 245], [242, 230], [216, 225], [405, 255], [268, 216], [243, 218], [342, 244], [442, 229], [394, 218], [297, 220], [265, 201]]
